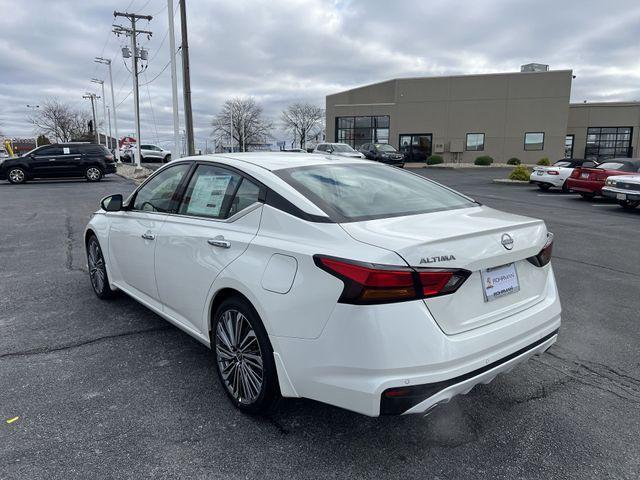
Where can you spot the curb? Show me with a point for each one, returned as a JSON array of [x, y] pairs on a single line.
[[513, 183]]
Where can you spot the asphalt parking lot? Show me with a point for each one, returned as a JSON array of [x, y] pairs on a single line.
[[110, 390]]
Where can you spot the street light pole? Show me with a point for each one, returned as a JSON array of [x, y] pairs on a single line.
[[104, 111], [33, 109], [107, 62], [174, 82]]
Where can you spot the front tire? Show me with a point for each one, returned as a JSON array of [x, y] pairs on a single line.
[[17, 175], [244, 356], [93, 174], [98, 270], [629, 204]]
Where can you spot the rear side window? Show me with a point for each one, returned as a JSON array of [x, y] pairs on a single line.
[[160, 193], [248, 193], [356, 192], [210, 192]]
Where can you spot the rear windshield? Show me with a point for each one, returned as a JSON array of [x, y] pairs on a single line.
[[562, 163], [614, 166], [337, 147], [356, 192]]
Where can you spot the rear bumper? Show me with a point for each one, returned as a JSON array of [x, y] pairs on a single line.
[[364, 351], [423, 398], [110, 168], [585, 186], [553, 180], [612, 192]]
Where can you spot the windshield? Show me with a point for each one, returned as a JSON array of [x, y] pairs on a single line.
[[353, 192], [611, 166], [340, 147], [383, 147]]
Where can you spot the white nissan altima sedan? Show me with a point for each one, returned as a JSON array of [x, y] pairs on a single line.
[[340, 280]]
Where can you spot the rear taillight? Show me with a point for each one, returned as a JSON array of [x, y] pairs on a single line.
[[575, 173], [552, 172], [109, 157], [366, 283], [544, 256]]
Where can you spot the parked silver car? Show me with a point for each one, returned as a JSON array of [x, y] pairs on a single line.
[[339, 149]]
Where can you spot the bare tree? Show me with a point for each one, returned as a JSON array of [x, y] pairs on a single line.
[[303, 120], [249, 126], [60, 121]]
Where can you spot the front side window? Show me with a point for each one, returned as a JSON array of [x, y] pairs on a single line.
[[159, 194], [534, 140], [48, 151], [475, 142], [210, 192], [322, 148], [354, 192]]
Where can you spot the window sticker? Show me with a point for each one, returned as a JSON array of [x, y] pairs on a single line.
[[208, 195], [66, 150]]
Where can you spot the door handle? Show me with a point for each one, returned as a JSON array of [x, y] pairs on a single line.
[[219, 242], [148, 236]]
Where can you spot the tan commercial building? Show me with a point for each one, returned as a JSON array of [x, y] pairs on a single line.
[[526, 115]]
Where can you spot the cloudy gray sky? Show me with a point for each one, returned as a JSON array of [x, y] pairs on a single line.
[[280, 51]]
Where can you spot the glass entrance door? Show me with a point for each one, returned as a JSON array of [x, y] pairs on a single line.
[[416, 147]]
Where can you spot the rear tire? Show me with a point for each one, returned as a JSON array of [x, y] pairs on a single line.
[[628, 204], [93, 174], [166, 159], [588, 196], [98, 270], [244, 356], [17, 175], [544, 187]]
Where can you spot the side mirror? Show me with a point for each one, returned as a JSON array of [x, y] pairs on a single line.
[[112, 203]]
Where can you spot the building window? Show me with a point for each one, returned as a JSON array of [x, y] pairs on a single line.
[[356, 131], [475, 142], [568, 146], [608, 142], [534, 141], [415, 147]]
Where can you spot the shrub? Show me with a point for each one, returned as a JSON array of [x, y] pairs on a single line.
[[544, 161], [514, 161], [484, 160], [434, 160], [520, 173]]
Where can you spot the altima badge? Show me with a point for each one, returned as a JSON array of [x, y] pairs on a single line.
[[507, 241], [442, 258]]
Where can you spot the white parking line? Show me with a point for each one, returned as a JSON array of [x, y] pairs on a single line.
[[558, 195], [602, 205]]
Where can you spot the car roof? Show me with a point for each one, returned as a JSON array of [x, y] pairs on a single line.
[[277, 160]]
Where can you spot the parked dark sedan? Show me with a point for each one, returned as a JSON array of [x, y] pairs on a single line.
[[382, 152], [87, 160]]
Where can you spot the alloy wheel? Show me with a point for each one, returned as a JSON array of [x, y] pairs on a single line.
[[97, 271], [16, 175], [239, 356], [93, 174]]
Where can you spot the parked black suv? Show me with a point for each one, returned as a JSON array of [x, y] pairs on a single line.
[[87, 160], [382, 152]]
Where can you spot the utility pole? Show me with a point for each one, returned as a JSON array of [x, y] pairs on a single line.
[[93, 97], [186, 81], [174, 82], [107, 62], [33, 109], [231, 127], [104, 110], [133, 33], [110, 137]]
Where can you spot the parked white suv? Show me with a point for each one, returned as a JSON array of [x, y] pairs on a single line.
[[148, 152], [338, 149]]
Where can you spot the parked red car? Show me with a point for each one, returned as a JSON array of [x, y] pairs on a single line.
[[588, 182]]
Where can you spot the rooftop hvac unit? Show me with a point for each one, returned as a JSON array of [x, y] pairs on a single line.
[[534, 67]]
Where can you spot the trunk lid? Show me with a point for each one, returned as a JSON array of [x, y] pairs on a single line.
[[471, 239]]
